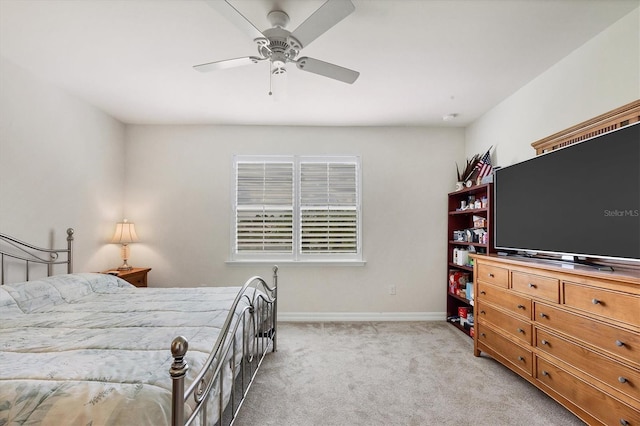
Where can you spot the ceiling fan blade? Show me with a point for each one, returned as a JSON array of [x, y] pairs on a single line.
[[327, 70], [236, 18], [229, 63], [329, 14]]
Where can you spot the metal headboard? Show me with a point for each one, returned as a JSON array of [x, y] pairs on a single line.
[[28, 253]]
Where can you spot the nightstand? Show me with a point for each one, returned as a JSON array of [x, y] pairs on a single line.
[[135, 276]]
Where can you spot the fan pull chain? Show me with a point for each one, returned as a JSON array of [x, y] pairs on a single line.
[[270, 80]]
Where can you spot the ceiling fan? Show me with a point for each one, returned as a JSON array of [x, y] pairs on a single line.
[[280, 46]]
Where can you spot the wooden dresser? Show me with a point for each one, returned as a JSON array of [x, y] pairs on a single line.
[[572, 331]]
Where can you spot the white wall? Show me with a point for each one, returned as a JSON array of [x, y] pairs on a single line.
[[179, 189], [61, 165], [601, 75]]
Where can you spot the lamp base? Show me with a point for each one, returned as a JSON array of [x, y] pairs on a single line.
[[124, 253]]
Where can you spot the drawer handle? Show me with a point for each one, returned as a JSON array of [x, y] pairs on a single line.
[[544, 342], [520, 306], [545, 373], [532, 285], [491, 276], [623, 422], [520, 331], [543, 315], [622, 379], [595, 301], [483, 335], [619, 343], [483, 312], [521, 358], [483, 292]]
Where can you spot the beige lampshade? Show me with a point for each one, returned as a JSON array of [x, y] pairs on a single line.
[[125, 233]]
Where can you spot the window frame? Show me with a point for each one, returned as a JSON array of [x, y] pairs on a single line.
[[296, 256]]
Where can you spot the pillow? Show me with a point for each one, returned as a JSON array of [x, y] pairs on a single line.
[[73, 287], [35, 295], [8, 305], [70, 286], [105, 283]]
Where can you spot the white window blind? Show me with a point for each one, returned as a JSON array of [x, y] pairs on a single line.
[[264, 207], [296, 208], [328, 207]]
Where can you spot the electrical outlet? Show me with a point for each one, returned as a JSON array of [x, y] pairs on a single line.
[[392, 290]]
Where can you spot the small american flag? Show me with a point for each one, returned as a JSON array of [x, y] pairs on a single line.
[[484, 165]]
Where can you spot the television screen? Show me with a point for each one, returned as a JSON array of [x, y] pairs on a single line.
[[581, 200]]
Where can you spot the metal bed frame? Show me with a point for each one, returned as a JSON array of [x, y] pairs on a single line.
[[29, 254], [255, 324]]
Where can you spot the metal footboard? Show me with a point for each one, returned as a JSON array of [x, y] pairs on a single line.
[[247, 335]]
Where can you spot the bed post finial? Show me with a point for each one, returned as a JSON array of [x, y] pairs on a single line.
[[178, 371], [70, 232]]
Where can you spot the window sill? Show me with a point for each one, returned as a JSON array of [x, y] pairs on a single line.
[[298, 262]]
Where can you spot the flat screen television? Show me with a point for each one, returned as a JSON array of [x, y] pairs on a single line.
[[582, 200]]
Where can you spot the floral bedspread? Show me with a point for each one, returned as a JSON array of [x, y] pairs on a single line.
[[91, 349]]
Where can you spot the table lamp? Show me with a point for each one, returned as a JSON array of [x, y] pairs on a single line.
[[125, 234]]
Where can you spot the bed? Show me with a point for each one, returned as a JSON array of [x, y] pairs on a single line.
[[91, 349]]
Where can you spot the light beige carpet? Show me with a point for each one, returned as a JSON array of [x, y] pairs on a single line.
[[389, 373]]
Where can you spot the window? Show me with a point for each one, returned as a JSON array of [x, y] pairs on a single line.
[[296, 208]]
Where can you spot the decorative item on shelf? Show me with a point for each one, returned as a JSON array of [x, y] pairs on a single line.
[[476, 170], [479, 221], [462, 257], [469, 290], [483, 168], [465, 176], [457, 281], [463, 311], [125, 234]]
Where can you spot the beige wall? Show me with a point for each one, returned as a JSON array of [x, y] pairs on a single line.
[[179, 195], [61, 165], [601, 75]]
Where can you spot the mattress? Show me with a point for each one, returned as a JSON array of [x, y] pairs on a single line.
[[91, 349]]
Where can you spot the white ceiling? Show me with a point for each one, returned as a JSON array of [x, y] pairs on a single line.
[[418, 59]]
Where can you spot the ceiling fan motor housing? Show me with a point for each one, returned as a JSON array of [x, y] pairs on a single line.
[[282, 46]]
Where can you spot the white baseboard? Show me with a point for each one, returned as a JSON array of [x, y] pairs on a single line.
[[359, 316]]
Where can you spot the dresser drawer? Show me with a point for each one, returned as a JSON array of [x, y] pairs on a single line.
[[536, 286], [616, 305], [603, 407], [493, 275], [512, 302], [516, 355], [614, 374], [513, 326], [617, 341]]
